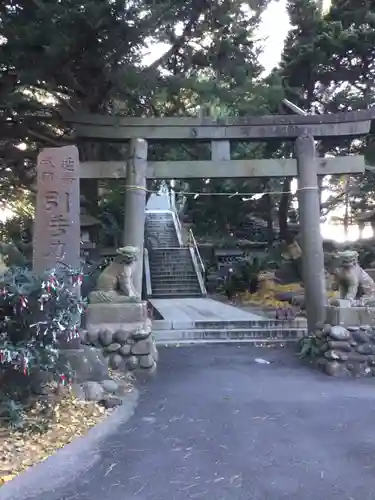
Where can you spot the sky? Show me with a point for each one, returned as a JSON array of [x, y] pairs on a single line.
[[274, 29]]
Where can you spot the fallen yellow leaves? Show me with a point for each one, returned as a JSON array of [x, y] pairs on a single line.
[[5, 479], [267, 292], [70, 418]]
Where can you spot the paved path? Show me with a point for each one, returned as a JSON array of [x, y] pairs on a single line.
[[201, 309], [215, 425]]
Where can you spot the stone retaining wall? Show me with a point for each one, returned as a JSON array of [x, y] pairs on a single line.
[[346, 351]]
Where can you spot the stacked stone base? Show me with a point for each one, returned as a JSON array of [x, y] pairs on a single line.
[[123, 333], [347, 349]]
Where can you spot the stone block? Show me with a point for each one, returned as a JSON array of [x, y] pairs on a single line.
[[161, 324], [146, 361], [87, 364], [142, 348], [335, 369], [182, 325], [97, 314], [350, 316], [93, 391], [125, 350], [129, 327], [116, 362]]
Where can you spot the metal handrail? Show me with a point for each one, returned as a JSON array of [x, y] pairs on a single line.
[[178, 228], [146, 262], [195, 246], [178, 221]]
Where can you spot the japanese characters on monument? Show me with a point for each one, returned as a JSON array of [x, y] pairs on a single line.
[[57, 219]]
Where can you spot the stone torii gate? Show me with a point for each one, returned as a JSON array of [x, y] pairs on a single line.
[[303, 130]]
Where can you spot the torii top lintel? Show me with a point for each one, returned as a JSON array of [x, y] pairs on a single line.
[[120, 128]]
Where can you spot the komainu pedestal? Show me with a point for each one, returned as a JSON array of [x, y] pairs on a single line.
[[350, 315], [117, 320], [123, 332], [346, 343]]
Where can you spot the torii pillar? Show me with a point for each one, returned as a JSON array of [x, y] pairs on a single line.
[[311, 238], [135, 204]]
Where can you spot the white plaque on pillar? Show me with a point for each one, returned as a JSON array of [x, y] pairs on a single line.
[[57, 219]]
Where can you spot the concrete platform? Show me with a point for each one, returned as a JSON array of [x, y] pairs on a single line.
[[201, 309], [203, 320]]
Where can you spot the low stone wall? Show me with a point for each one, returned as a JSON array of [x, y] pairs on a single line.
[[346, 350], [126, 341]]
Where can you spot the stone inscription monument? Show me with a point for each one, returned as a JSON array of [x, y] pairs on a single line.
[[57, 224]]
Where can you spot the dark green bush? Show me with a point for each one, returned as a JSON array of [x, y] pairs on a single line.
[[37, 315]]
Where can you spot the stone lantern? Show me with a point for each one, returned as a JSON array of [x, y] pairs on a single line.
[[89, 226]]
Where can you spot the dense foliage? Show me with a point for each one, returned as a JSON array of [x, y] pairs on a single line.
[[94, 56], [38, 316], [327, 67]]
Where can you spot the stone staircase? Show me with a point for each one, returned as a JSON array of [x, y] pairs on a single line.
[[173, 267], [173, 273], [228, 331], [160, 230]]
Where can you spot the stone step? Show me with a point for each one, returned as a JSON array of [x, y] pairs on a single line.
[[232, 335], [169, 259], [244, 324], [175, 289], [203, 342], [165, 268], [156, 245], [161, 244], [160, 284], [160, 216], [168, 272], [176, 285], [172, 279], [175, 295], [177, 256], [262, 323], [156, 284], [155, 224], [161, 233], [164, 237], [172, 251], [173, 262], [179, 261]]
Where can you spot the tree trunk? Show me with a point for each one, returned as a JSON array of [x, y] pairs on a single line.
[[284, 209], [269, 219], [347, 207]]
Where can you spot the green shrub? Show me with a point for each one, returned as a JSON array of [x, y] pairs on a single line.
[[37, 315]]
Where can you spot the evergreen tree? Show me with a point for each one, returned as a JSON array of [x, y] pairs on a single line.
[[327, 67]]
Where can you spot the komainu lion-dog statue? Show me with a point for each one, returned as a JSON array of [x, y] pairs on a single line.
[[115, 281], [353, 282]]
